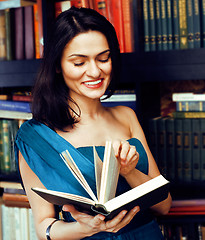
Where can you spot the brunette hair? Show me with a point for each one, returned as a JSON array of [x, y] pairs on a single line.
[[50, 93]]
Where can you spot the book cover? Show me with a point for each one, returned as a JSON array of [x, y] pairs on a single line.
[[146, 26], [187, 150], [188, 96], [144, 196], [162, 146], [169, 25], [202, 150], [2, 35], [128, 25], [196, 146], [158, 25], [183, 25], [197, 25], [171, 160], [192, 106], [29, 33], [9, 49], [15, 106], [152, 30], [118, 22], [164, 25], [36, 31], [15, 115], [19, 33], [179, 148], [190, 24], [175, 17]]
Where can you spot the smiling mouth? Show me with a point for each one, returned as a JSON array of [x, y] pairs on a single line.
[[93, 83]]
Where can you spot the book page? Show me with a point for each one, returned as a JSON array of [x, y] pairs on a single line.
[[68, 160], [110, 174], [98, 170]]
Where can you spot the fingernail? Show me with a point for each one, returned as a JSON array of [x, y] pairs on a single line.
[[135, 209], [124, 212], [101, 217]]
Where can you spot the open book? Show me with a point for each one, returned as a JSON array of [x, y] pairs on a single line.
[[107, 174]]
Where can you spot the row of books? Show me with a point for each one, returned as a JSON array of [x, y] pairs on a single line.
[[119, 13], [17, 223], [21, 32], [173, 24], [178, 146]]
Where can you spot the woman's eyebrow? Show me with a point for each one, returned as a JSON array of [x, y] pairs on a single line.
[[84, 56]]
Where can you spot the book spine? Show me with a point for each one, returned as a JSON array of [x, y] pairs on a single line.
[[40, 26], [170, 129], [197, 27], [118, 23], [29, 32], [203, 22], [183, 25], [162, 160], [169, 25], [2, 35], [193, 106], [15, 106], [196, 146], [187, 150], [164, 25], [179, 148], [202, 136], [9, 54], [19, 33], [188, 114], [1, 147], [158, 26], [190, 24], [146, 26], [127, 25], [101, 7], [152, 31], [175, 17]]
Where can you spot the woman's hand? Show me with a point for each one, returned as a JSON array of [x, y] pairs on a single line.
[[93, 224], [127, 156]]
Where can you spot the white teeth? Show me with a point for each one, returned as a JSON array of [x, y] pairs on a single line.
[[93, 83]]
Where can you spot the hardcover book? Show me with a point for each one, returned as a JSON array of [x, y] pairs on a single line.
[[107, 173]]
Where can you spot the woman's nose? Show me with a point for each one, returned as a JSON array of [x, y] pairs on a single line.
[[93, 70]]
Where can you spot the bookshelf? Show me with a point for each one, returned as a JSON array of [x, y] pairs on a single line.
[[138, 68]]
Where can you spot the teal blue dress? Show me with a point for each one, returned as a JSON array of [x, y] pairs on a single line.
[[41, 146]]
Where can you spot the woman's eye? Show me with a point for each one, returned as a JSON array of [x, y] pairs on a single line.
[[78, 64], [104, 60]]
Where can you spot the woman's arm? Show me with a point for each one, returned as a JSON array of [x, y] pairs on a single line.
[[129, 157], [44, 213]]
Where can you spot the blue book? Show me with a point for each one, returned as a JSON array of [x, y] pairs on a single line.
[[164, 25], [146, 26], [169, 25], [202, 149], [175, 23], [158, 25], [197, 25], [152, 31], [15, 106], [190, 106], [203, 23], [190, 24]]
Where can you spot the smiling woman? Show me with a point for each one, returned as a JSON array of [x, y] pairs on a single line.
[[82, 61]]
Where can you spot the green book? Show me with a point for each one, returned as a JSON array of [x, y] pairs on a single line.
[[202, 150], [175, 23], [197, 25], [190, 24], [183, 41], [152, 31], [9, 55], [187, 150], [171, 164], [196, 146], [158, 26], [179, 148], [169, 25], [146, 26], [5, 146], [164, 25], [188, 114]]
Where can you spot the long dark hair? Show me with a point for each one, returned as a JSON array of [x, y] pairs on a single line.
[[50, 93]]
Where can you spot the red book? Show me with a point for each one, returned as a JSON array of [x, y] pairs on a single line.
[[29, 32], [36, 31], [127, 25], [118, 22], [19, 33], [101, 7], [76, 3], [40, 24]]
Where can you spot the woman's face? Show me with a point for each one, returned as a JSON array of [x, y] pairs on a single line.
[[86, 65]]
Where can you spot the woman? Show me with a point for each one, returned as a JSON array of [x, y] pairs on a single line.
[[81, 62]]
